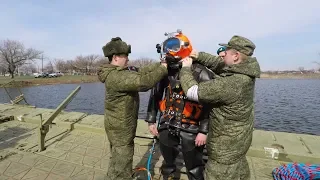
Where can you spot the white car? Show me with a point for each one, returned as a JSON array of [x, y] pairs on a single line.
[[38, 75], [59, 74], [53, 75]]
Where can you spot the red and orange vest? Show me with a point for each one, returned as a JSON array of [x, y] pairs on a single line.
[[175, 104]]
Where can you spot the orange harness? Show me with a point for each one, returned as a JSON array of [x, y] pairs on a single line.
[[175, 105]]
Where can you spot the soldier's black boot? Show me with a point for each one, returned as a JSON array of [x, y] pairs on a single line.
[[169, 173], [196, 173]]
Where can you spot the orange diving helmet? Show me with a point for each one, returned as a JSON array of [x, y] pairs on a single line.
[[177, 44]]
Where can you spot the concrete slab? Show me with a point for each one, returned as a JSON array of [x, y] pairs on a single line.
[[80, 150]]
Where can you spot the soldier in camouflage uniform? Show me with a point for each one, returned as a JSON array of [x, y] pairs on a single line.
[[122, 85], [232, 95]]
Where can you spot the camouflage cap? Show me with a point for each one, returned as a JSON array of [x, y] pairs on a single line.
[[116, 46], [241, 44]]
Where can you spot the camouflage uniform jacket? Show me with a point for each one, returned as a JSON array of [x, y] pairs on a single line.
[[232, 95], [122, 97]]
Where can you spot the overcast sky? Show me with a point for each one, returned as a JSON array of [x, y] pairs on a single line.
[[286, 32]]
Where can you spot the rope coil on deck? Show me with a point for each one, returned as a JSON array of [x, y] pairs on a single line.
[[297, 171]]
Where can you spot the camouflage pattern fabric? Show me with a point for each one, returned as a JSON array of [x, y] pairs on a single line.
[[240, 44], [231, 120], [116, 46], [219, 171], [121, 111]]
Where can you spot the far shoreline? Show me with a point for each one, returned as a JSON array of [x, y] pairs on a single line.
[[290, 76], [27, 81]]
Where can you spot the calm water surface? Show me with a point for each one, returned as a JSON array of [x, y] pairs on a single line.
[[281, 105]]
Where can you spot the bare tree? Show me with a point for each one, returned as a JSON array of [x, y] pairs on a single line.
[[141, 62], [70, 67], [3, 69], [64, 66], [60, 65], [14, 54], [85, 63], [98, 63], [49, 67], [101, 61], [28, 68], [301, 69]]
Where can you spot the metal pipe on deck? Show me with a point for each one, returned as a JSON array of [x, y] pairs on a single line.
[[44, 125]]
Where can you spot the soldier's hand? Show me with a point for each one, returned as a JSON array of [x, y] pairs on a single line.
[[163, 62], [201, 139], [194, 54], [186, 62], [153, 129]]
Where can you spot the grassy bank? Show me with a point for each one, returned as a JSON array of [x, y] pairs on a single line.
[[290, 76], [31, 81], [21, 81]]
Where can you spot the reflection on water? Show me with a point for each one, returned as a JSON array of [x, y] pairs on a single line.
[[281, 105]]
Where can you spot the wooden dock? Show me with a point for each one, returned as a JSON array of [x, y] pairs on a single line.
[[77, 142]]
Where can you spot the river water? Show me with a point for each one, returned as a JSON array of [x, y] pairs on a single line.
[[287, 105]]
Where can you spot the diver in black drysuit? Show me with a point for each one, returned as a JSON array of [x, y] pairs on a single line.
[[172, 131]]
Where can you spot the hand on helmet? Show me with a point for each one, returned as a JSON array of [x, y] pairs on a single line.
[[194, 54], [186, 62]]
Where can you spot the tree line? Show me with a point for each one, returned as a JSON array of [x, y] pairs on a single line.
[[16, 58]]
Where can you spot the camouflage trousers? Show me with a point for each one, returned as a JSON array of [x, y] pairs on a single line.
[[237, 171], [120, 164]]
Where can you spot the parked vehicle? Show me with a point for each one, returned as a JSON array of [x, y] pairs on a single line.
[[59, 74], [41, 75], [51, 75], [37, 75], [44, 75]]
